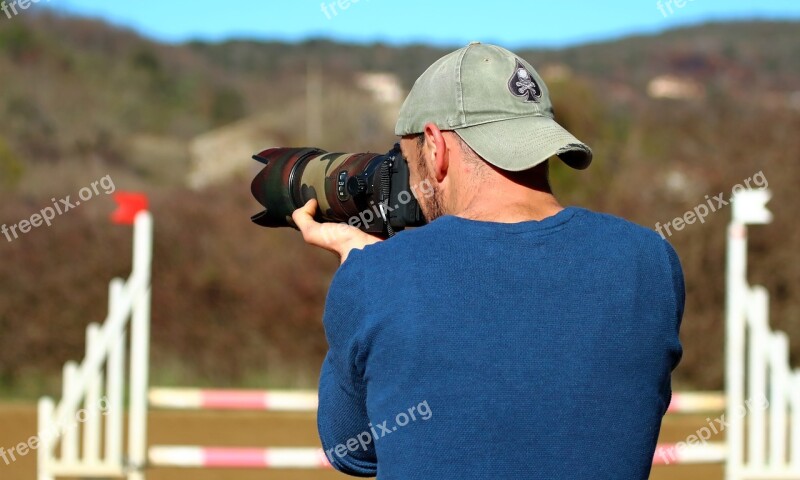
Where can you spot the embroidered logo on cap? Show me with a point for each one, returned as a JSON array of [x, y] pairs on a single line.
[[523, 85]]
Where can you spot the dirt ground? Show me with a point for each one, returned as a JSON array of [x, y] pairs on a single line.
[[18, 422]]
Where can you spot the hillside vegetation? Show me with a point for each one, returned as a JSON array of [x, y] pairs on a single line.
[[234, 304]]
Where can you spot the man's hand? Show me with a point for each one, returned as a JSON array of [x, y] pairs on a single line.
[[338, 238]]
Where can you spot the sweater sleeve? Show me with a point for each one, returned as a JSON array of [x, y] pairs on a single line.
[[679, 289], [344, 426], [675, 349]]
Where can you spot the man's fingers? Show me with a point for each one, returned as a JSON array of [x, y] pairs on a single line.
[[338, 238], [311, 229], [310, 208], [304, 216]]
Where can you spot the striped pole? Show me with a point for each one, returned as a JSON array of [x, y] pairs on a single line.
[[183, 456], [684, 454], [220, 457], [306, 401], [272, 400], [697, 402]]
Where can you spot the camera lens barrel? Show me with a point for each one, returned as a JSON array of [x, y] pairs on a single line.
[[271, 186], [354, 188]]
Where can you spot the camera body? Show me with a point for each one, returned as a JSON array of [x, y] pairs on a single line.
[[365, 190]]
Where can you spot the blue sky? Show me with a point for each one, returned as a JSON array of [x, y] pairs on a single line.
[[512, 23]]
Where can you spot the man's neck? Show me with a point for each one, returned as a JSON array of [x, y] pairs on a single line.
[[507, 202]]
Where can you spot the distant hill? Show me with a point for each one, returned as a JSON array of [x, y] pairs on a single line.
[[763, 51], [56, 69], [236, 304]]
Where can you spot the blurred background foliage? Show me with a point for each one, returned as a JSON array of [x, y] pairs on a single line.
[[672, 118]]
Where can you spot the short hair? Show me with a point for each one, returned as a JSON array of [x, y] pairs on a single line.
[[538, 176], [420, 141], [469, 154]]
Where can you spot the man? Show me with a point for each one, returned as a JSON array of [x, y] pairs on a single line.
[[511, 338]]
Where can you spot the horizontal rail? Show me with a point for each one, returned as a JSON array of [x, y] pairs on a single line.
[[194, 399], [82, 469], [306, 400], [684, 454], [697, 402], [770, 474], [183, 456]]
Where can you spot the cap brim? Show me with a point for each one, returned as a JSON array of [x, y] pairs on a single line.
[[521, 143]]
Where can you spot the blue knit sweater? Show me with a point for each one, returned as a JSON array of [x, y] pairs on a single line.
[[481, 350]]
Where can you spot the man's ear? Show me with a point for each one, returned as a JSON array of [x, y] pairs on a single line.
[[436, 147]]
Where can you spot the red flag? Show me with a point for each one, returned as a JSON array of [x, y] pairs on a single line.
[[129, 204]]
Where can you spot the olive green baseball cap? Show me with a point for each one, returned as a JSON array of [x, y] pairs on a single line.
[[497, 103]]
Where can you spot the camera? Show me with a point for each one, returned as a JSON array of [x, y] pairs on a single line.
[[366, 190]]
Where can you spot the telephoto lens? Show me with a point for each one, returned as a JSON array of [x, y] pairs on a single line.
[[366, 190]]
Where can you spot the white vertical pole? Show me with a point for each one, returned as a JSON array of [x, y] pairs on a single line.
[[91, 428], [71, 429], [779, 380], [140, 346], [137, 438], [749, 207], [115, 372], [46, 429], [795, 431], [757, 356], [735, 291]]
